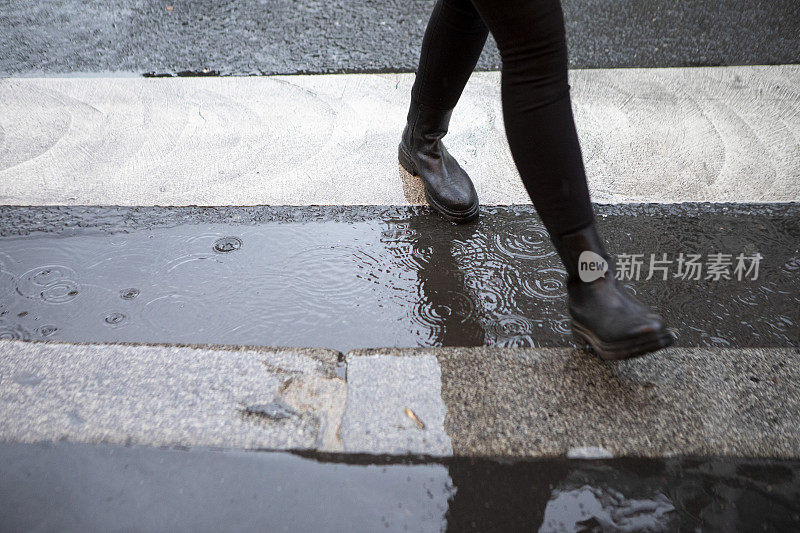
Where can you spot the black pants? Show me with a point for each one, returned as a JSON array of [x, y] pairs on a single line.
[[536, 105]]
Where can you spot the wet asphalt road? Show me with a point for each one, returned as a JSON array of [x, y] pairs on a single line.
[[362, 277], [266, 37], [69, 487]]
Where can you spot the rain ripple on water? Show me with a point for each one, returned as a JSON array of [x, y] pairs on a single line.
[[366, 277]]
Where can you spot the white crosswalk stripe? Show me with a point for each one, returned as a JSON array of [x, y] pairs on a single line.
[[717, 134]]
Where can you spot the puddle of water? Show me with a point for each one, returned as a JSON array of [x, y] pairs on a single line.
[[359, 277], [676, 494], [68, 487]]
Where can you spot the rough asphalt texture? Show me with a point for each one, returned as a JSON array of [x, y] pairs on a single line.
[[279, 36], [542, 402], [29, 221]]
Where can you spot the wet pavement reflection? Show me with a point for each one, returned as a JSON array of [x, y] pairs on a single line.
[[70, 487], [352, 277], [629, 494]]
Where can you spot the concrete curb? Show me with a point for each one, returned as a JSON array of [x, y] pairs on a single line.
[[433, 401]]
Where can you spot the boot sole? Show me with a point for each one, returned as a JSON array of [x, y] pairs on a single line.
[[625, 349], [449, 214]]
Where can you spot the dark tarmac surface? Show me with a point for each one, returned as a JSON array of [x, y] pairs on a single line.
[[356, 277], [268, 37], [73, 487]]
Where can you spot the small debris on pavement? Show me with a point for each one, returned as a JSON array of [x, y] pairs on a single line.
[[413, 416], [276, 410]]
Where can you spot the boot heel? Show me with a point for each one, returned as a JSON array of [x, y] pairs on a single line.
[[624, 349], [582, 342], [405, 161]]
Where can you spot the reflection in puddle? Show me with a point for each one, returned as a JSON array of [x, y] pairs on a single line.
[[351, 277], [633, 494], [604, 509], [237, 490], [193, 488]]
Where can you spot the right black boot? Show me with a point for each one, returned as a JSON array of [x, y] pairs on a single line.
[[448, 188], [604, 315]]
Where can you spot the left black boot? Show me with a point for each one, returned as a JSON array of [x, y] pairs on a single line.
[[604, 315], [448, 188]]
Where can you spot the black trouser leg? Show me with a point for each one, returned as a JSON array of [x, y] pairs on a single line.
[[453, 42], [536, 102], [537, 110], [544, 143], [451, 47]]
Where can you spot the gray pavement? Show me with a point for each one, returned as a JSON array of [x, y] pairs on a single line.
[[170, 395], [394, 405], [546, 402], [465, 401], [648, 135], [680, 401], [273, 36]]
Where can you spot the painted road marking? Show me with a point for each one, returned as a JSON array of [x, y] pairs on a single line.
[[719, 134]]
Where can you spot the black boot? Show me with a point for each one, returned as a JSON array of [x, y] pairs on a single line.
[[448, 188], [604, 315]]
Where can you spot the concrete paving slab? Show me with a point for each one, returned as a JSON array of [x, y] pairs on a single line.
[[543, 402], [511, 402], [660, 135], [170, 395], [394, 405]]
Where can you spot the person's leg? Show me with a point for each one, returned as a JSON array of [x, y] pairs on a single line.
[[537, 111], [541, 134], [452, 44], [451, 47]]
